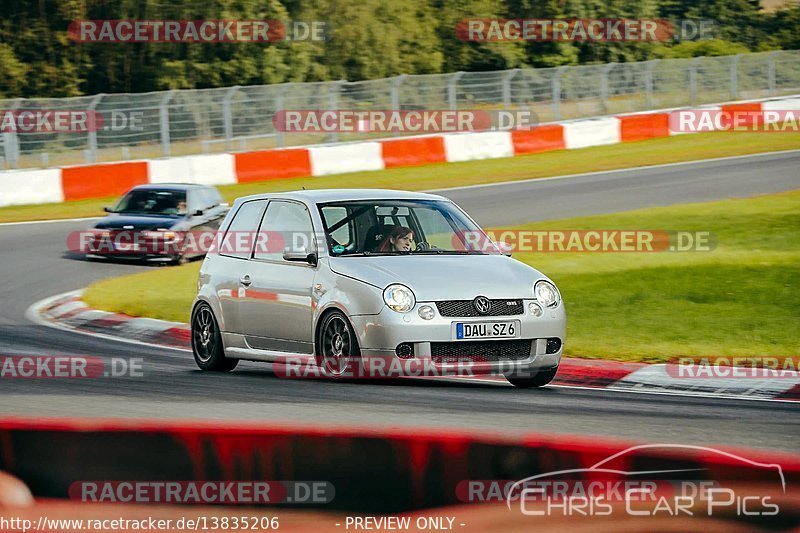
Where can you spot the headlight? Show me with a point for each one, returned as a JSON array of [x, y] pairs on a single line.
[[546, 293], [399, 298]]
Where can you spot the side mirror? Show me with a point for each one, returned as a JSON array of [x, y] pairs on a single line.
[[300, 256], [109, 209], [198, 213]]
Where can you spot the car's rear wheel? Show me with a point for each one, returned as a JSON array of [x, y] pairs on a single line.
[[540, 379], [209, 354], [338, 353]]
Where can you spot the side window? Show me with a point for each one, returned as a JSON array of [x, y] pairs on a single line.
[[239, 239], [334, 214], [287, 225]]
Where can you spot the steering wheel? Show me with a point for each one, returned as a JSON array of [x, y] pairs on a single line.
[[422, 246]]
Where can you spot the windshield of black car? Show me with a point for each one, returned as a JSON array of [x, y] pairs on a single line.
[[153, 202], [399, 227]]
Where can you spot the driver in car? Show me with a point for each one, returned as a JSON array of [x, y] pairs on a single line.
[[399, 239]]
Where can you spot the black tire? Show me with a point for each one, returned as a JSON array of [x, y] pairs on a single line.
[[337, 359], [542, 378], [207, 348]]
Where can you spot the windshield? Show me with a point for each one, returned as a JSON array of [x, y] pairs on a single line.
[[398, 227], [153, 202]]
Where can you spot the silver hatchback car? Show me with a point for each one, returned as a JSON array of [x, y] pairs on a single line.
[[335, 278]]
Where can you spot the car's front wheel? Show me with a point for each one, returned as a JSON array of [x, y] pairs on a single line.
[[540, 379], [207, 348], [338, 353]]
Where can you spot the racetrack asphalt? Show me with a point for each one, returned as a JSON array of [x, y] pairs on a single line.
[[36, 265]]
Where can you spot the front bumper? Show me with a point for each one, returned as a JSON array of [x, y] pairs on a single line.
[[150, 252], [379, 335], [131, 257]]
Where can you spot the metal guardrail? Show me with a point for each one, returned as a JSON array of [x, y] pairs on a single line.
[[187, 122]]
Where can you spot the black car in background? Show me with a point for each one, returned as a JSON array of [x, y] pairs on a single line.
[[165, 222]]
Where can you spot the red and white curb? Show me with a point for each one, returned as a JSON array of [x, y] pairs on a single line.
[[67, 311]]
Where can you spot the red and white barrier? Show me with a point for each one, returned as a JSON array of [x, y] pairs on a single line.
[[413, 152], [342, 158], [31, 187], [216, 169], [593, 132], [785, 104], [483, 145], [112, 179]]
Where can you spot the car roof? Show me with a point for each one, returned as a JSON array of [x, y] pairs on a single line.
[[319, 196], [171, 186]]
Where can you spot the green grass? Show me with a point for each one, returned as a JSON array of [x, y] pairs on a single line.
[[164, 293], [739, 299], [651, 152]]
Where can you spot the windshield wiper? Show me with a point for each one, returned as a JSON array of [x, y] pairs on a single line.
[[372, 254], [450, 252], [146, 213], [432, 251], [418, 252]]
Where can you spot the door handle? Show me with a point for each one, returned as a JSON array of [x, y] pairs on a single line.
[[245, 280]]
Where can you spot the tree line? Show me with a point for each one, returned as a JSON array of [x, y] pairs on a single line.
[[367, 39]]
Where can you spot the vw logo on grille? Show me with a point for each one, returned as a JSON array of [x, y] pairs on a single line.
[[482, 305]]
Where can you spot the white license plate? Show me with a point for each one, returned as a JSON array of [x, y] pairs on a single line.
[[487, 330]]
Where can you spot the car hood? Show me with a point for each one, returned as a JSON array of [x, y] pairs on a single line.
[[138, 222], [444, 277]]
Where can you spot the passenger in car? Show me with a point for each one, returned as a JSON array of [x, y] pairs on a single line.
[[398, 240]]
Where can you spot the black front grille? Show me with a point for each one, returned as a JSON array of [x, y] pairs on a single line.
[[480, 351], [466, 308]]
